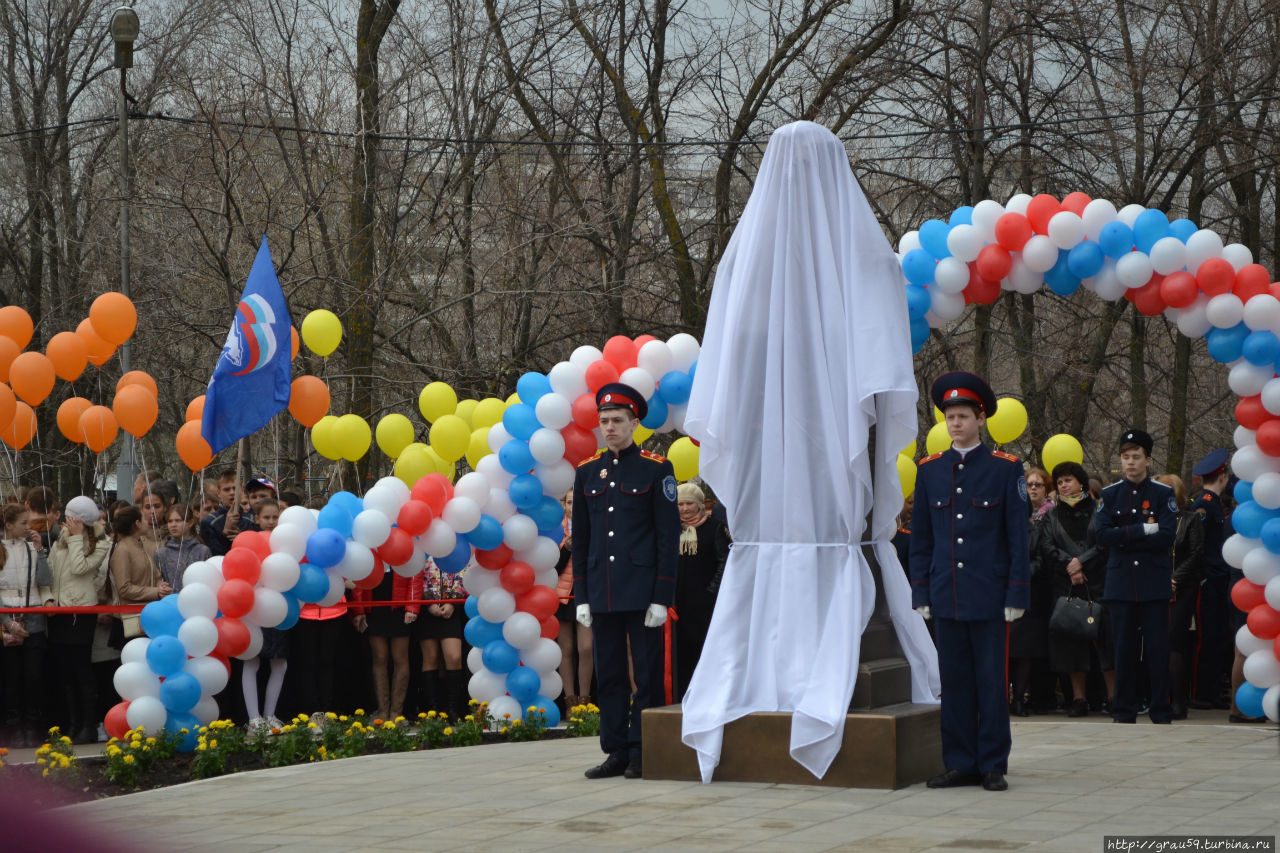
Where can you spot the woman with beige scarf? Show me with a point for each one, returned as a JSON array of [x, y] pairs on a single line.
[[704, 548]]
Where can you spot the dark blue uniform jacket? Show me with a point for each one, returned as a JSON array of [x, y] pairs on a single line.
[[1139, 566]]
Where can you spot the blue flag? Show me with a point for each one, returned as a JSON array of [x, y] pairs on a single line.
[[251, 381]]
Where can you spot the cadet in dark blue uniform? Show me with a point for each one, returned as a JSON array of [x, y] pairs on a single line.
[[1137, 520], [1212, 610], [626, 534], [970, 572]]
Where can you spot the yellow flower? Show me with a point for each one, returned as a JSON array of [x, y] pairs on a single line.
[[151, 741], [110, 741], [321, 751], [290, 727], [128, 759], [342, 719], [516, 722], [473, 702], [42, 761], [65, 739], [400, 719], [431, 715], [422, 715], [312, 726], [470, 718], [448, 731], [330, 716], [44, 750], [53, 730], [531, 708], [388, 726], [184, 731], [213, 744], [202, 746], [504, 730], [46, 772], [359, 712]]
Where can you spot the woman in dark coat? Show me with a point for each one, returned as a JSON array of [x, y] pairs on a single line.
[[704, 548], [1188, 558], [1076, 567]]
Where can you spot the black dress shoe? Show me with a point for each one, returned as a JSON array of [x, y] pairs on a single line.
[[954, 779], [1019, 709], [635, 770], [611, 766], [995, 781], [1079, 708], [1241, 718], [1179, 711]]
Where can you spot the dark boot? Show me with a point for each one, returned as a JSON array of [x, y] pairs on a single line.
[[429, 692], [455, 693], [87, 731]]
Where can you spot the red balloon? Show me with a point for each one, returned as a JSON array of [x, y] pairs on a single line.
[[551, 627], [242, 564], [1268, 437], [398, 548], [539, 601], [1246, 595], [375, 577], [600, 373], [415, 517], [494, 558], [1275, 289], [1251, 281], [1076, 202], [1147, 298], [517, 578], [116, 724], [235, 597], [233, 635], [1040, 210], [579, 443], [979, 289], [585, 413], [434, 490], [1251, 415], [642, 340], [1264, 622], [621, 352], [1216, 276], [1012, 232], [255, 541], [1179, 289]]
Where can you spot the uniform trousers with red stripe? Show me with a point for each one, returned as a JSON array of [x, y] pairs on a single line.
[[972, 659], [620, 709]]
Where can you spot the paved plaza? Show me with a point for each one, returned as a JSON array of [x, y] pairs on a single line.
[[1071, 783]]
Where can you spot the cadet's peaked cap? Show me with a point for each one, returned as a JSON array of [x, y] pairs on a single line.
[[1213, 462], [961, 387], [1138, 437], [615, 395]]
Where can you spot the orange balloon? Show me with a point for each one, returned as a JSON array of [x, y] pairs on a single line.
[[193, 450], [139, 377], [22, 428], [69, 418], [8, 406], [31, 376], [136, 409], [16, 323], [8, 352], [308, 400], [195, 409], [100, 351], [113, 317], [99, 428], [295, 343], [68, 353]]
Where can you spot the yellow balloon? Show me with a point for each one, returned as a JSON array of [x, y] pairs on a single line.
[[487, 412], [1061, 448], [414, 463], [513, 399], [450, 437], [684, 458], [907, 474], [938, 439], [479, 446], [323, 438], [443, 466], [466, 411], [437, 400], [322, 332], [641, 435], [938, 416], [353, 436], [394, 434], [1009, 420], [909, 451]]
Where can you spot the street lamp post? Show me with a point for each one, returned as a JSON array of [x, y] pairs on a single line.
[[124, 32]]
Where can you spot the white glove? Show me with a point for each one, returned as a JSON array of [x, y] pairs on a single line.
[[584, 615], [1150, 528], [1011, 613], [926, 611], [655, 616]]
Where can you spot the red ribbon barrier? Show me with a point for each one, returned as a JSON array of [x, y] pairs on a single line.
[[137, 608]]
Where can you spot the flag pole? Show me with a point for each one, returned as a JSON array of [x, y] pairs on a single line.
[[239, 467]]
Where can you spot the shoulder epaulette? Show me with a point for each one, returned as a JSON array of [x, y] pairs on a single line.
[[597, 455], [1008, 457], [1207, 497], [932, 456], [653, 457]]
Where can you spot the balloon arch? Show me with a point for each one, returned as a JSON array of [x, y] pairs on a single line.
[[1206, 288]]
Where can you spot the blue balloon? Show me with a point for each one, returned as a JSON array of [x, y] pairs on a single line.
[[525, 491], [545, 708], [547, 513], [292, 612], [1060, 278], [479, 632], [1085, 260], [693, 371], [1116, 239], [962, 216], [312, 585], [1182, 229], [521, 420], [555, 534], [918, 266], [1249, 700], [523, 683], [486, 535], [500, 656], [352, 504], [457, 559], [1261, 348], [919, 333], [531, 387], [161, 617], [166, 655], [180, 692], [471, 606], [326, 548], [1270, 535], [1243, 491], [175, 722], [674, 388], [1150, 226], [918, 301], [335, 517], [657, 414], [1227, 345], [1249, 517], [515, 456], [933, 236]]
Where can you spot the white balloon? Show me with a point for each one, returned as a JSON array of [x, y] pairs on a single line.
[[546, 577], [1244, 437], [1168, 255], [269, 606], [1040, 254], [134, 680], [1225, 310], [521, 629], [552, 684], [947, 306], [477, 580], [440, 539], [1201, 246], [639, 379], [146, 712], [1134, 269], [985, 215], [462, 514], [568, 380], [951, 274], [204, 572], [1250, 463], [542, 655], [934, 321], [1022, 278], [1271, 396], [496, 605], [279, 572], [1248, 379], [1237, 547], [555, 411], [503, 710], [384, 500], [396, 485], [500, 505], [1260, 566], [475, 659], [1261, 669], [135, 651], [416, 563], [1272, 592], [491, 467], [1266, 490], [1017, 203], [216, 562], [1238, 255], [337, 589], [964, 242], [197, 599], [655, 357], [1066, 229], [1107, 284], [206, 710], [199, 635], [371, 527], [356, 565], [475, 485], [299, 516], [556, 477], [1271, 703], [1097, 213], [519, 532], [1247, 643], [543, 554], [1262, 312], [547, 446], [684, 351], [497, 437], [909, 242], [1129, 214], [486, 686], [255, 642], [585, 356], [210, 672], [1194, 319]]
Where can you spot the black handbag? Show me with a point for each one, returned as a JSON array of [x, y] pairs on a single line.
[[1079, 617]]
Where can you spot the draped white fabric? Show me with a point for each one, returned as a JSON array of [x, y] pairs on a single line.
[[806, 347]]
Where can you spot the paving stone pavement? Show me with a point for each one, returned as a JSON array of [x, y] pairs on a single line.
[[1070, 784]]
